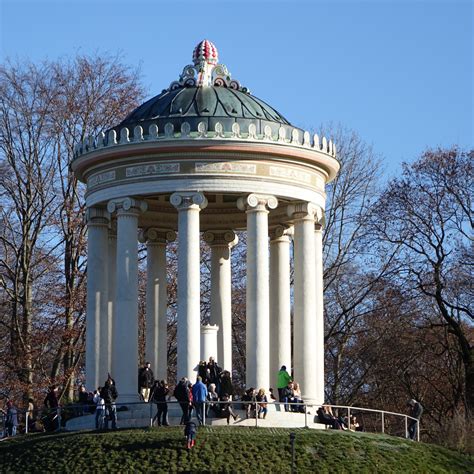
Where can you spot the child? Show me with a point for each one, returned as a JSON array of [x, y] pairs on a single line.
[[190, 433]]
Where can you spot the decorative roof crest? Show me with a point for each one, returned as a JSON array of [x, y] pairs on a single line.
[[206, 72]]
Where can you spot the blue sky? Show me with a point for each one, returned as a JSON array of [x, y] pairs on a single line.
[[400, 73]]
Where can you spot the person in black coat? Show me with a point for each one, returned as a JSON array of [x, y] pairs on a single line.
[[181, 393], [225, 386], [145, 381], [214, 373], [109, 394], [160, 392]]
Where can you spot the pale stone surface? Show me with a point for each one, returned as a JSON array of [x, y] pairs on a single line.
[[188, 204], [319, 335], [156, 346], [97, 296], [125, 347], [257, 303], [280, 304], [112, 293], [209, 333], [221, 243], [304, 325]]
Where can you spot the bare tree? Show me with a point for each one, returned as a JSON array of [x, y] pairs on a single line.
[[94, 94], [27, 95], [427, 213]]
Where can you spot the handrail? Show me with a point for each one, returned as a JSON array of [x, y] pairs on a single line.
[[118, 403]]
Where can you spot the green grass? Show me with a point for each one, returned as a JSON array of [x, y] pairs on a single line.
[[224, 449]]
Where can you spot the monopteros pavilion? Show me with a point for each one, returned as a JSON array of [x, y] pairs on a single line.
[[203, 160]]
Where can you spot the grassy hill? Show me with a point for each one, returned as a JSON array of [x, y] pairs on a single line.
[[224, 449]]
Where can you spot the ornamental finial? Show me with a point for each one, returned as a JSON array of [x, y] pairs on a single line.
[[205, 60], [209, 73], [205, 52]]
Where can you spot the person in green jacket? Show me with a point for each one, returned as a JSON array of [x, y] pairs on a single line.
[[283, 379]]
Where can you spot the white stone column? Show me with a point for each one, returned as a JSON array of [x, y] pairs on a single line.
[[209, 334], [189, 289], [125, 328], [280, 303], [221, 243], [319, 336], [156, 349], [96, 315], [257, 301], [112, 279], [305, 355]]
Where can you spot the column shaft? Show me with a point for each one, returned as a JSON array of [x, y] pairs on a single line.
[[304, 329], [112, 280], [156, 305], [96, 316], [280, 306], [125, 327], [221, 243], [319, 335], [258, 309], [189, 288]]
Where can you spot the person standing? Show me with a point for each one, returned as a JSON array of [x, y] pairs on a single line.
[[283, 379], [199, 398], [145, 381], [51, 402], [160, 392], [226, 384], [416, 410], [109, 394], [181, 393], [99, 409], [11, 419], [214, 372]]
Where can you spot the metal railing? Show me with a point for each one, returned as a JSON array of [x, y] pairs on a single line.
[[55, 416]]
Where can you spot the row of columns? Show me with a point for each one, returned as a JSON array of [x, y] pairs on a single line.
[[112, 301]]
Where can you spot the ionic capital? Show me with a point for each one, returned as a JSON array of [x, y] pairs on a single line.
[[281, 233], [303, 211], [126, 205], [97, 216], [257, 202], [221, 238], [188, 200], [153, 235], [320, 221]]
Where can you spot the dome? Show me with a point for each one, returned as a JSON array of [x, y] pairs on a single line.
[[206, 93], [205, 104]]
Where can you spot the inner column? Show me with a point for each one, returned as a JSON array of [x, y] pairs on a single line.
[[156, 348], [257, 300], [221, 243], [96, 316], [189, 289], [280, 304]]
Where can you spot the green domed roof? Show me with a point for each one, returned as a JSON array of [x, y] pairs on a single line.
[[206, 93], [208, 104]]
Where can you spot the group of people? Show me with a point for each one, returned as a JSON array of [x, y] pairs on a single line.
[[327, 417], [205, 398], [289, 392]]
